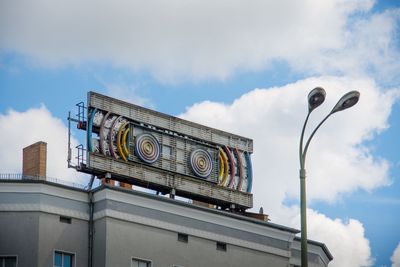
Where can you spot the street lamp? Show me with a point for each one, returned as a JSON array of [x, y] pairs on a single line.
[[315, 98]]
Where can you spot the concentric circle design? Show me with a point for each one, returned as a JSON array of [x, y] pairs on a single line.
[[121, 135], [223, 168], [147, 148], [201, 163]]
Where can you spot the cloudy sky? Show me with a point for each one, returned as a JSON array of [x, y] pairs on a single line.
[[241, 66]]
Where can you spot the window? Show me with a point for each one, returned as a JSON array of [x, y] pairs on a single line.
[[183, 237], [65, 219], [221, 246], [63, 259], [140, 263], [8, 261]]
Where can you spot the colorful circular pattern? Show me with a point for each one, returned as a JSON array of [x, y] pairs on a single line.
[[201, 163], [147, 148], [223, 168]]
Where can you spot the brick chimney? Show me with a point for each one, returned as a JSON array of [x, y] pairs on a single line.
[[34, 160]]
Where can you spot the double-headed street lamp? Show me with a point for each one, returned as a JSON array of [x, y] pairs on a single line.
[[315, 98]]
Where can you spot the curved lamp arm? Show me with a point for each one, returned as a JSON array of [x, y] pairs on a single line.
[[301, 141], [346, 101], [303, 156], [315, 98]]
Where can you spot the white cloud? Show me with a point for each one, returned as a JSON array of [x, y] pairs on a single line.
[[127, 93], [337, 163], [396, 257], [198, 39], [345, 239], [21, 129], [337, 160]]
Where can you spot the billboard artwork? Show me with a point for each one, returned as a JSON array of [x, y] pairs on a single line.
[[116, 136], [134, 142]]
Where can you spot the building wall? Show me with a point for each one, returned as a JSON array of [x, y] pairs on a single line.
[[19, 236], [30, 225], [126, 240], [130, 224], [34, 236], [318, 254], [99, 243], [138, 227], [56, 235]]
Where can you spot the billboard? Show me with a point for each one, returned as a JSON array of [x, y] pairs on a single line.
[[162, 152]]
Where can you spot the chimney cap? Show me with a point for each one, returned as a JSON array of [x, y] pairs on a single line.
[[37, 143]]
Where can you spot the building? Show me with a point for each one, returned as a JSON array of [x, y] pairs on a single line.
[[43, 223], [46, 223]]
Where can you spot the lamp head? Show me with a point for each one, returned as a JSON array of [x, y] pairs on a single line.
[[347, 101], [315, 98]]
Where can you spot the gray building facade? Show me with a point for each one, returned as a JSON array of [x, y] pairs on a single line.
[[49, 224]]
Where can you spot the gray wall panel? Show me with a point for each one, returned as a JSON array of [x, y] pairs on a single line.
[[34, 236], [191, 223], [126, 240], [43, 199], [55, 235], [100, 242], [19, 236]]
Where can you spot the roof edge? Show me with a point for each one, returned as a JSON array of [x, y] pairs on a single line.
[[316, 243]]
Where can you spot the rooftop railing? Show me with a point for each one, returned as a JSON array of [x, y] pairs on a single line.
[[19, 176]]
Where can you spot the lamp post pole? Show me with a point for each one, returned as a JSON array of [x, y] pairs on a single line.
[[315, 98], [303, 216]]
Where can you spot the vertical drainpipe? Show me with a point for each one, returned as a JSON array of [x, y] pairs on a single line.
[[90, 236], [290, 241]]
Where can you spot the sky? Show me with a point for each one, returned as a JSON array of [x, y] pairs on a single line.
[[241, 66]]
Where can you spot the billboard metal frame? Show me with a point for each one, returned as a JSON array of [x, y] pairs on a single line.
[[159, 179]]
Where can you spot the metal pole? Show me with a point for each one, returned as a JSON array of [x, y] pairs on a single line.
[[69, 139], [303, 216], [303, 204], [315, 98], [91, 228], [303, 199]]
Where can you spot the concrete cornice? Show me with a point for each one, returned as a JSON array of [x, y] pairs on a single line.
[[191, 211]]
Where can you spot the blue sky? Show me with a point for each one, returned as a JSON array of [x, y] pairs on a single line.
[[245, 68]]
